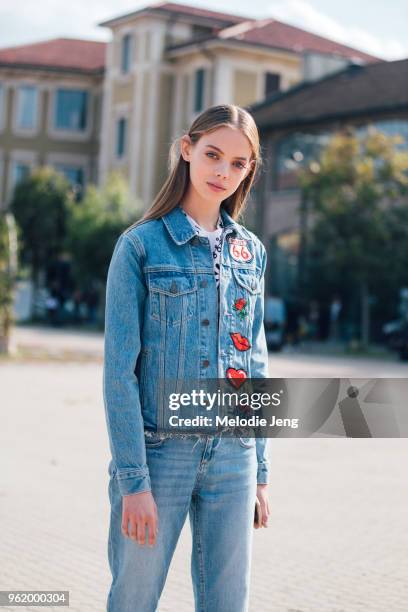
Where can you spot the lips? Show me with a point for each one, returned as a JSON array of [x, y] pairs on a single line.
[[215, 186], [240, 342]]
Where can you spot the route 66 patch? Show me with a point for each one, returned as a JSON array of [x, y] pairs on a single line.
[[239, 251]]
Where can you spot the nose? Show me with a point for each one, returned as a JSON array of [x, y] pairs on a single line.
[[222, 170]]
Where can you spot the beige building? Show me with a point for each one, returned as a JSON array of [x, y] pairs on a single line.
[[88, 107], [167, 62], [50, 109]]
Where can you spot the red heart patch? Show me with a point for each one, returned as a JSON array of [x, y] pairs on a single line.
[[236, 377]]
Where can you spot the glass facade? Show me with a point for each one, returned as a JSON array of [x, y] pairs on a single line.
[[27, 104], [299, 148], [272, 83], [390, 127], [2, 105], [20, 172], [292, 152], [121, 137], [126, 53], [75, 176], [199, 90], [284, 250], [71, 110]]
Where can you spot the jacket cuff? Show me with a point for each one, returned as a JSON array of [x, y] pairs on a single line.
[[133, 480], [262, 456], [262, 476]]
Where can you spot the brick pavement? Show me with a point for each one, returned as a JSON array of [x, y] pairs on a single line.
[[337, 539]]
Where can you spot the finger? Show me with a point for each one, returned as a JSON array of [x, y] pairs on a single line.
[[256, 519], [133, 530], [264, 515], [141, 532], [151, 523], [124, 526], [260, 515]]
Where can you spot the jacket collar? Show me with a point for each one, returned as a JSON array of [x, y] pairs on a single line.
[[181, 230]]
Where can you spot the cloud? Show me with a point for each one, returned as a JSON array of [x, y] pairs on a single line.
[[30, 21], [303, 14]]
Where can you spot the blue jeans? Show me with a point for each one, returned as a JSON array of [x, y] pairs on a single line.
[[213, 478]]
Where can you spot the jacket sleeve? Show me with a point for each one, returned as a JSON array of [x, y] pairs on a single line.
[[260, 369], [125, 296]]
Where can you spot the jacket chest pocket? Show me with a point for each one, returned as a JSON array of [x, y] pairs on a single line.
[[172, 296], [246, 289]]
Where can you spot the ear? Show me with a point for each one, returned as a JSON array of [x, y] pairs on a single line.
[[185, 147]]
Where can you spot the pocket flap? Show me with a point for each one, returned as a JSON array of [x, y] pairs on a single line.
[[172, 283], [247, 279]]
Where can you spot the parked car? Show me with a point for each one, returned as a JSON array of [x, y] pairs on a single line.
[[275, 321]]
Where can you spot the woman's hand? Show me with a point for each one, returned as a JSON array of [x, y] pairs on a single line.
[[138, 511], [263, 509]]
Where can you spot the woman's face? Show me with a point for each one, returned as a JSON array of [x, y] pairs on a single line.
[[219, 159]]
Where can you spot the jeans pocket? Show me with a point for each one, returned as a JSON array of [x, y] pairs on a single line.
[[153, 441], [247, 442]]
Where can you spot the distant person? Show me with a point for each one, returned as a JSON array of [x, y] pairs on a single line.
[[335, 309]]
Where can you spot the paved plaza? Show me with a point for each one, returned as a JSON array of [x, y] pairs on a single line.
[[337, 539]]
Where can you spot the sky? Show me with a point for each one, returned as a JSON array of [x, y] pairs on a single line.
[[374, 26]]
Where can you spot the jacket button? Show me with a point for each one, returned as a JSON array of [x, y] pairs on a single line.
[[173, 287], [206, 363], [195, 241], [205, 322], [204, 283]]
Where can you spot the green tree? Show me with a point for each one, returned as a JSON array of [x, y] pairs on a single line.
[[357, 246], [40, 206], [8, 269], [94, 226]]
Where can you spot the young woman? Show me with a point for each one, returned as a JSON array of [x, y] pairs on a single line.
[[185, 301]]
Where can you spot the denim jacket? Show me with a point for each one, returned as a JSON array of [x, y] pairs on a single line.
[[163, 320]]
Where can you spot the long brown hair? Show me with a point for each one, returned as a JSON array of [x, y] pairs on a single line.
[[175, 186]]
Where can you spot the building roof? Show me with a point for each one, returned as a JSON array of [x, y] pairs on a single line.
[[273, 34], [282, 35], [258, 32], [356, 90], [214, 18], [61, 53]]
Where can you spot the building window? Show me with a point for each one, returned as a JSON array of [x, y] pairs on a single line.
[[294, 152], [272, 83], [126, 53], [2, 105], [284, 257], [27, 103], [75, 177], [71, 110], [121, 137], [21, 171], [199, 90], [389, 127]]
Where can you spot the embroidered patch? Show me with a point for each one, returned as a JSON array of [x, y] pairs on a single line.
[[236, 377], [240, 306], [240, 342], [238, 249]]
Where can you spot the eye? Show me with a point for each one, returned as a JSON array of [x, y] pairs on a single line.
[[209, 153], [240, 165]]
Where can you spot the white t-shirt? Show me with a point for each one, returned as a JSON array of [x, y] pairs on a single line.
[[215, 238]]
